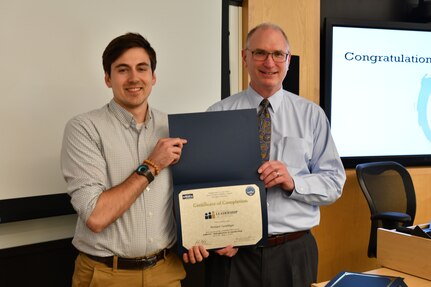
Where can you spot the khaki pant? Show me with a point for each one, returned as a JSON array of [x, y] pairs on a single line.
[[166, 273]]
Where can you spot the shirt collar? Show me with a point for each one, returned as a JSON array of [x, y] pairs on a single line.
[[275, 99], [124, 116]]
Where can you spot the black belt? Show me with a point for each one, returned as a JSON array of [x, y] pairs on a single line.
[[131, 263], [278, 239]]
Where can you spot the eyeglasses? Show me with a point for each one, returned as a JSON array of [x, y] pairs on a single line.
[[262, 55]]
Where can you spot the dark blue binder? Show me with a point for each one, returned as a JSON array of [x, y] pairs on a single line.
[[354, 279], [222, 150]]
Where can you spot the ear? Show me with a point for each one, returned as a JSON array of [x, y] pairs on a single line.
[[154, 79], [108, 80], [288, 61], [244, 57]]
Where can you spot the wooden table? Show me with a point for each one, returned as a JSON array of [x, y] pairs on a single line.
[[410, 280]]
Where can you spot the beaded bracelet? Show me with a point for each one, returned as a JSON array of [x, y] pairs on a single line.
[[152, 164]]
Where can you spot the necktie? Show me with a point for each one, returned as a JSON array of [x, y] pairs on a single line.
[[264, 120]]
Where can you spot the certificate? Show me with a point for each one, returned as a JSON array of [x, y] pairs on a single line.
[[220, 216], [219, 199]]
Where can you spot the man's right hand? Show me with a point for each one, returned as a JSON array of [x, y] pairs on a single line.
[[199, 253], [167, 151]]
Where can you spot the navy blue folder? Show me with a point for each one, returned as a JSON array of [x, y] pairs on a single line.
[[354, 279], [222, 150]]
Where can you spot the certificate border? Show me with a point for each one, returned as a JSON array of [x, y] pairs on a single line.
[[178, 189]]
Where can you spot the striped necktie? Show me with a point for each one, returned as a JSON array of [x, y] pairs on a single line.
[[264, 129]]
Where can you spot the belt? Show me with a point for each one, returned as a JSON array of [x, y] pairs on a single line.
[[131, 263], [278, 239]]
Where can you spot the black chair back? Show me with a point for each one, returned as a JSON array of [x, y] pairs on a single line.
[[389, 191]]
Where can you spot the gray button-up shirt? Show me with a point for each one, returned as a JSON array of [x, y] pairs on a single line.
[[100, 150]]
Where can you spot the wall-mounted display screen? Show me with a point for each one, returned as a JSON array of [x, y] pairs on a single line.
[[376, 90]]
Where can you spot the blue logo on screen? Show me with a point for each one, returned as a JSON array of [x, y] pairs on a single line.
[[424, 96]]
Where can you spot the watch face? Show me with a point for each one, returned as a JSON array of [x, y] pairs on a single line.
[[142, 168]]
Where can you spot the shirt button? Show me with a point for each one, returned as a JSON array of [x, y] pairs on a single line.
[[150, 214], [150, 240]]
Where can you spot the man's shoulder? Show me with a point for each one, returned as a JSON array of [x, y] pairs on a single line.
[[92, 114], [89, 119], [300, 101], [304, 108], [158, 113], [232, 102], [160, 118]]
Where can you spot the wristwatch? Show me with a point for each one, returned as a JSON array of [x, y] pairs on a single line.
[[144, 170]]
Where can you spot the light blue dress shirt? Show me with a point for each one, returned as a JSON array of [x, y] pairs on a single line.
[[302, 140]]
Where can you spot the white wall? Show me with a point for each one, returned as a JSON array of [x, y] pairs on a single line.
[[235, 47], [51, 69]]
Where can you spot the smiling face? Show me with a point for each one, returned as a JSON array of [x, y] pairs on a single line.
[[131, 81], [266, 77]]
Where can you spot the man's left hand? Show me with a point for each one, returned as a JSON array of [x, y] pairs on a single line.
[[274, 173]]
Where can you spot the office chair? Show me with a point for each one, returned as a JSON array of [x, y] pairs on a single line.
[[388, 189]]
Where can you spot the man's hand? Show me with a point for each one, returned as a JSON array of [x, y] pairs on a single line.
[[274, 173], [195, 254], [167, 151], [228, 251], [198, 253]]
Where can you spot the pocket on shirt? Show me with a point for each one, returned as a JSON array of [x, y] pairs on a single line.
[[294, 152]]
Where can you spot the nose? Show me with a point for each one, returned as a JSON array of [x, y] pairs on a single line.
[[133, 76], [269, 60]]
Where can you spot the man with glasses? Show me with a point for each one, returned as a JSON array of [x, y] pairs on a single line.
[[301, 171]]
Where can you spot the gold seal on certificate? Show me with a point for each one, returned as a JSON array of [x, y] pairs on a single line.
[[220, 216]]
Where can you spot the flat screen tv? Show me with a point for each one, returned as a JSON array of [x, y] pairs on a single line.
[[376, 86]]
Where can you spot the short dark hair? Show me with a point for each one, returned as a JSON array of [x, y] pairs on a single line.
[[123, 43]]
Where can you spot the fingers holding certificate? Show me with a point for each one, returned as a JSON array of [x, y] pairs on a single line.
[[218, 197]]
